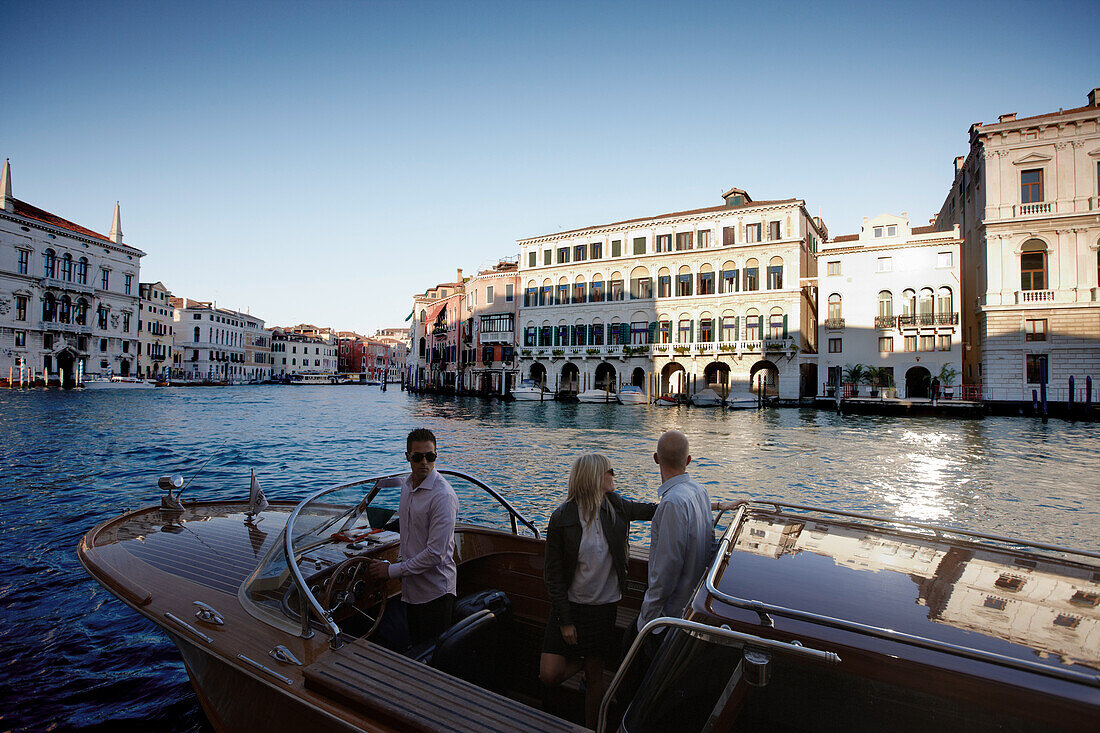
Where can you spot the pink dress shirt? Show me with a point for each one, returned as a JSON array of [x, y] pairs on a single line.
[[426, 557]]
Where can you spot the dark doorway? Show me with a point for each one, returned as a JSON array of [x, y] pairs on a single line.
[[771, 381], [637, 379], [917, 380], [570, 379], [538, 374], [605, 377], [717, 377], [66, 362]]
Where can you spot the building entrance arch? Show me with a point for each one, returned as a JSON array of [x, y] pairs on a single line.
[[716, 375], [605, 377], [538, 373], [570, 378], [66, 362], [771, 377], [917, 382], [637, 377], [673, 379]]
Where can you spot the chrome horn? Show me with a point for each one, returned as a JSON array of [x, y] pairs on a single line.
[[171, 501]]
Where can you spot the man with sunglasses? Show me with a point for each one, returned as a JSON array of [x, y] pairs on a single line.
[[426, 556]]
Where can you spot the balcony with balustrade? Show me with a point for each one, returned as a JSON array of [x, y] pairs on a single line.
[[1027, 297], [834, 324], [926, 320]]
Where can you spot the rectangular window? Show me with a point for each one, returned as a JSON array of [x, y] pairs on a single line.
[[563, 255], [641, 288], [489, 295], [547, 257], [664, 243], [927, 343], [509, 293], [834, 346], [639, 245], [24, 261], [563, 294], [20, 338], [546, 295], [1035, 329], [664, 332], [773, 230], [616, 290], [595, 293], [730, 282], [103, 345], [579, 294], [729, 236], [20, 307], [664, 286], [706, 283], [775, 277], [832, 268], [885, 344], [1034, 367], [127, 284], [683, 285], [910, 343], [752, 233], [704, 239], [729, 329], [105, 279], [892, 230], [684, 240], [885, 264], [1031, 186], [706, 330], [943, 259], [532, 258], [580, 253], [616, 248], [126, 322], [943, 342], [596, 250]]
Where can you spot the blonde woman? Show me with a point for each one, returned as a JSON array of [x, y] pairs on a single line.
[[585, 574]]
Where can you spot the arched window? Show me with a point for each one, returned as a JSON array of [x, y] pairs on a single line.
[[777, 324], [82, 271], [82, 312], [580, 291], [834, 307], [728, 326], [423, 315], [924, 305], [664, 283], [615, 287], [683, 281], [67, 267], [706, 279], [546, 295], [753, 324], [706, 327], [1033, 265], [728, 281], [908, 302], [563, 291], [595, 334], [641, 286], [49, 307], [49, 263], [65, 312], [752, 275], [197, 336], [596, 290], [885, 304], [944, 303], [775, 273], [685, 331]]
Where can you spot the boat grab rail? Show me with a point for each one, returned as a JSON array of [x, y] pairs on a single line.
[[723, 633], [300, 581], [762, 609]]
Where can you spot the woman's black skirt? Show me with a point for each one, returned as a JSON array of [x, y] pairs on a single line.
[[595, 632]]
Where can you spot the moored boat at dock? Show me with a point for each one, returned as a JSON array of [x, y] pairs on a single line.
[[706, 398], [631, 395], [117, 383], [531, 391], [596, 395]]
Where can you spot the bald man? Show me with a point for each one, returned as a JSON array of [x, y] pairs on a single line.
[[680, 535]]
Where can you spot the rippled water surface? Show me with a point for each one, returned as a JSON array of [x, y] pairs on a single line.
[[73, 656]]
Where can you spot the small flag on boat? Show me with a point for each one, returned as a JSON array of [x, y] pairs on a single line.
[[257, 502]]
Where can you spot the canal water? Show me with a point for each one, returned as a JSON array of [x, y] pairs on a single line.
[[71, 656]]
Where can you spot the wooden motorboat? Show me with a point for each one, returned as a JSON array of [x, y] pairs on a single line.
[[531, 391], [596, 395], [742, 401], [706, 398], [118, 383], [805, 620], [667, 401]]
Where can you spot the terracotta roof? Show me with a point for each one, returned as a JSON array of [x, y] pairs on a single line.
[[1047, 114], [930, 229], [845, 238], [706, 210], [33, 212]]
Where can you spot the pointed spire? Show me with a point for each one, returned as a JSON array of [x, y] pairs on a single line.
[[116, 227], [5, 185]]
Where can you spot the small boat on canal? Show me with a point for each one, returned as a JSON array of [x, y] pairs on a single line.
[[117, 383], [706, 398], [531, 391], [806, 619], [597, 396], [631, 395], [742, 401]]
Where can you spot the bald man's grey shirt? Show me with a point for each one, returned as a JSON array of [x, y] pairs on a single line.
[[679, 543]]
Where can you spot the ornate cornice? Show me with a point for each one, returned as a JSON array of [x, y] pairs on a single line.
[[49, 229]]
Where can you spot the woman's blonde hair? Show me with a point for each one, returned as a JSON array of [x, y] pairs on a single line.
[[586, 484]]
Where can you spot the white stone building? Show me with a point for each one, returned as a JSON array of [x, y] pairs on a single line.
[[1027, 198], [492, 304], [889, 299], [676, 302], [211, 343], [156, 330], [436, 336], [303, 349], [68, 296]]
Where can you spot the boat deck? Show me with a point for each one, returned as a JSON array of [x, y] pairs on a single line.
[[362, 676]]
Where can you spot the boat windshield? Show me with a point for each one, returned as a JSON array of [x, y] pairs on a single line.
[[327, 526]]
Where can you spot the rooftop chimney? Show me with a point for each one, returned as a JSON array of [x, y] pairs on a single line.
[[1094, 97], [959, 163], [1010, 117], [459, 278]]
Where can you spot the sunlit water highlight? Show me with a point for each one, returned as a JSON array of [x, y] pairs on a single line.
[[73, 656]]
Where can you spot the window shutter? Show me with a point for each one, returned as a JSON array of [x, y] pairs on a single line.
[[720, 334], [624, 333], [691, 331], [784, 325], [736, 334], [557, 337], [652, 333], [571, 337], [761, 327]]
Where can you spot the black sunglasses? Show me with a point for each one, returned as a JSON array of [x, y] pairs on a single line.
[[611, 471], [418, 457]]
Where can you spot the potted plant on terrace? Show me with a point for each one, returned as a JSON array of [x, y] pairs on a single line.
[[871, 379], [853, 374], [947, 376]]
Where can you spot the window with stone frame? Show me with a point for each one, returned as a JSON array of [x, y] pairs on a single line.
[[774, 230], [616, 248], [1033, 267], [1031, 186], [595, 250], [729, 236], [835, 346], [752, 233], [21, 307], [24, 261], [1033, 367], [639, 245], [684, 241]]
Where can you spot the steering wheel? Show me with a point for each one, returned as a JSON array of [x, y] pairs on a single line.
[[356, 589]]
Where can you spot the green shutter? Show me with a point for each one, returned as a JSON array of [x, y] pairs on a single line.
[[557, 336], [624, 333], [572, 336], [784, 325], [691, 330], [652, 337], [761, 328], [736, 328]]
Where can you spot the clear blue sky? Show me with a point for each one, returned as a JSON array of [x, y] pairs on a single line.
[[321, 162]]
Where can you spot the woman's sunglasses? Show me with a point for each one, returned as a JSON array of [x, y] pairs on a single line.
[[418, 457]]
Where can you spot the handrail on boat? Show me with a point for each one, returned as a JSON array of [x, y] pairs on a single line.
[[725, 549], [719, 632], [299, 580]]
